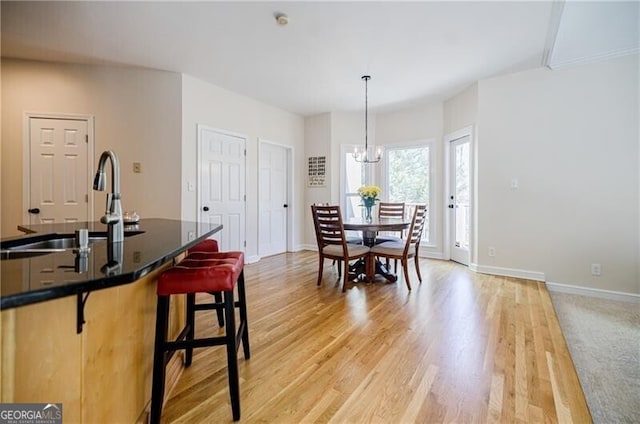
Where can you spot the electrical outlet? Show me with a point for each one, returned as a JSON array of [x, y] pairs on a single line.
[[596, 270], [191, 235], [137, 167], [492, 251]]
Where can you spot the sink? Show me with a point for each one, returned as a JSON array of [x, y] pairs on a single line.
[[58, 244], [42, 244]]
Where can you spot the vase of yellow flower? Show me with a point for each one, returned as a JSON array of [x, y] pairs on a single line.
[[369, 196]]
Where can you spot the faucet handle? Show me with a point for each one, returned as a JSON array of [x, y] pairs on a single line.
[[109, 202]]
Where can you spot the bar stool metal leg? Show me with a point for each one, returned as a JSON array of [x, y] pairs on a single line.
[[159, 359], [219, 312], [232, 354], [244, 325], [190, 326]]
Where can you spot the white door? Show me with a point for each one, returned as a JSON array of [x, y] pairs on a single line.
[[273, 207], [221, 188], [460, 199], [58, 175]]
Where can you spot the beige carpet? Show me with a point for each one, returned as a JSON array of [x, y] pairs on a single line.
[[604, 340]]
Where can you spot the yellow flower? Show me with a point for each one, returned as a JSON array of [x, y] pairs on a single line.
[[369, 192]]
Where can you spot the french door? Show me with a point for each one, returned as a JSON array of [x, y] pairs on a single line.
[[460, 198]]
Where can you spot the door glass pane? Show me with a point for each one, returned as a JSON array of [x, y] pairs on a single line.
[[408, 178], [462, 195]]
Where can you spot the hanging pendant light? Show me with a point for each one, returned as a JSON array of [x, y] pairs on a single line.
[[364, 156]]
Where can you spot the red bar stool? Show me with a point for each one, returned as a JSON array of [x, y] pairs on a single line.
[[201, 272], [207, 246]]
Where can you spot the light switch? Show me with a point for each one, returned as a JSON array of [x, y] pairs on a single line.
[[137, 167], [191, 186], [514, 183]]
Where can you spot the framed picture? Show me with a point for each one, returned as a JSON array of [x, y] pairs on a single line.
[[316, 176]]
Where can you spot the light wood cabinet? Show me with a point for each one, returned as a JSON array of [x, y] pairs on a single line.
[[100, 375]]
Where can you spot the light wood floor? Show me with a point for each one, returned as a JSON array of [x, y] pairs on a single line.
[[460, 347]]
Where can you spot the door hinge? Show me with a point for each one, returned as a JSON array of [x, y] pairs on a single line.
[[245, 152], [86, 138], [245, 197], [86, 198], [245, 243]]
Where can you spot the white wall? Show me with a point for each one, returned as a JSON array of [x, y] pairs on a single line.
[[137, 115], [205, 103], [461, 110], [317, 142], [571, 139], [347, 128]]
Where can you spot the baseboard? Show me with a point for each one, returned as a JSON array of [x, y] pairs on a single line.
[[432, 255], [313, 247], [252, 259], [591, 292], [508, 272]]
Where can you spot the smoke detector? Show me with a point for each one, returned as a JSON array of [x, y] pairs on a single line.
[[282, 19]]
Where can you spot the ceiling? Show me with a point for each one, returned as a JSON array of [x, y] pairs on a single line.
[[416, 52]]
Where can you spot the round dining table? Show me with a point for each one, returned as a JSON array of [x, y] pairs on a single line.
[[369, 232]]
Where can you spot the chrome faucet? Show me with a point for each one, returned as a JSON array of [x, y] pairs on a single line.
[[113, 214]]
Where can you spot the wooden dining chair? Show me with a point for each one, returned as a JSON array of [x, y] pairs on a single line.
[[350, 239], [390, 210], [332, 243], [408, 248]]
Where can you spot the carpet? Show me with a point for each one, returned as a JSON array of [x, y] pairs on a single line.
[[604, 341]]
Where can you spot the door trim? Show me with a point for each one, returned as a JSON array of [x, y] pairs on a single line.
[[26, 154], [290, 194], [447, 139]]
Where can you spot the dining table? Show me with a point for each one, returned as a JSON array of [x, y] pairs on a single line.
[[369, 230]]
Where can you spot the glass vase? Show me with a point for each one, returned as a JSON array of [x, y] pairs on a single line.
[[367, 213]]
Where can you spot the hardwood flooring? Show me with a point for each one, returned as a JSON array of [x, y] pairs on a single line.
[[460, 347]]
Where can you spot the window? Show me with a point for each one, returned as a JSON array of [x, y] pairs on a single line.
[[355, 175], [407, 177]]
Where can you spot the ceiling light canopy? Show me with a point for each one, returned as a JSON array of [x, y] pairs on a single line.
[[282, 18]]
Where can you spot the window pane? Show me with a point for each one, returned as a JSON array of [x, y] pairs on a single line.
[[462, 195], [409, 178], [354, 179]]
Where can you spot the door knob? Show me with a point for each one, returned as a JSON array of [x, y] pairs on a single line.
[[206, 208], [285, 206], [34, 210], [450, 206]]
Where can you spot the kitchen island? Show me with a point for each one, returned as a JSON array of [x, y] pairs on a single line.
[[79, 331]]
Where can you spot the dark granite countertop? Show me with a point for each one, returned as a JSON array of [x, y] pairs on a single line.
[[147, 245]]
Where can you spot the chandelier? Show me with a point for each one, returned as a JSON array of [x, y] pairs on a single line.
[[364, 156]]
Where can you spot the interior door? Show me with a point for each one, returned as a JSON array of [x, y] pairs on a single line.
[[460, 199], [273, 207], [58, 170], [221, 191]]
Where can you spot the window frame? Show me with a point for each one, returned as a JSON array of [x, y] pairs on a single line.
[[431, 242], [369, 176]]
